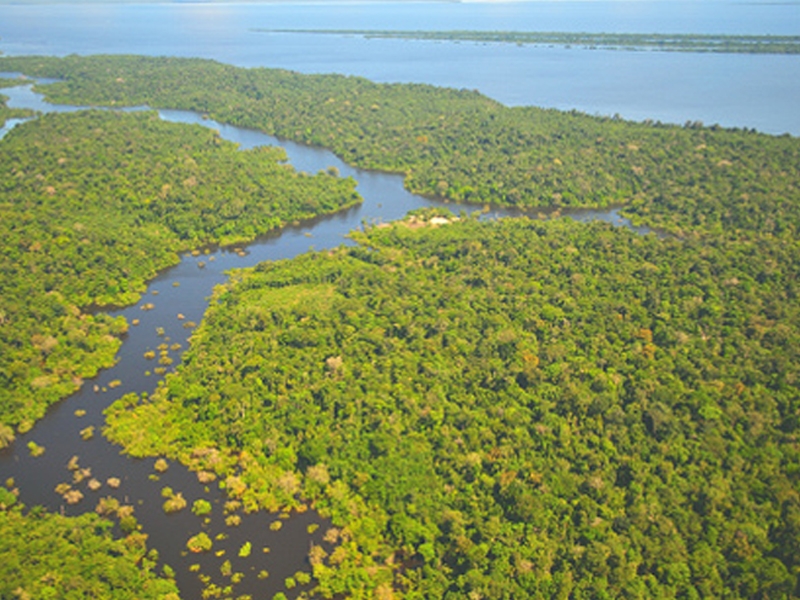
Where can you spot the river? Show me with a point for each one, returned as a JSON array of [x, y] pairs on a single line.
[[183, 290]]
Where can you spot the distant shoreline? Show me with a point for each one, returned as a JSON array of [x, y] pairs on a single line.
[[654, 42]]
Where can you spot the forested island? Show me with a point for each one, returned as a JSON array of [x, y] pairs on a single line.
[[518, 408], [460, 145], [662, 42], [94, 204]]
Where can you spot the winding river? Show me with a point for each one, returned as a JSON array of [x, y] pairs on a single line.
[[184, 290]]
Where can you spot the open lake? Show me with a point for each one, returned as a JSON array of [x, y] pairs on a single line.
[[734, 90]]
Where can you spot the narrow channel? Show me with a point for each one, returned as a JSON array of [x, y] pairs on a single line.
[[179, 298]]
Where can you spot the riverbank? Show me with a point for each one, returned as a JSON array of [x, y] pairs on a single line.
[[183, 289]]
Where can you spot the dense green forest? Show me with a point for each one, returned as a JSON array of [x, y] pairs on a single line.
[[52, 557], [511, 409], [488, 410], [460, 145], [93, 204], [665, 42]]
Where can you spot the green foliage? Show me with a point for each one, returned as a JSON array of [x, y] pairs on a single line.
[[245, 550], [35, 449], [199, 543], [6, 436], [226, 569], [174, 501], [515, 409], [7, 499], [459, 145], [95, 203], [201, 507], [50, 556]]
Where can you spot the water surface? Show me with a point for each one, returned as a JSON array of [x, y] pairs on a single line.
[[734, 90]]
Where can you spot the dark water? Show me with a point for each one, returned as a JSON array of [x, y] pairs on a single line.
[[734, 90], [183, 290]]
